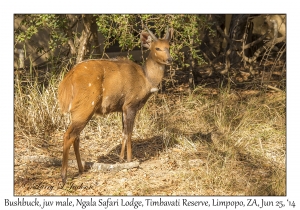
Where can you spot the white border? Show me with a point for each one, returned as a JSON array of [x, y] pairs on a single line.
[[151, 6]]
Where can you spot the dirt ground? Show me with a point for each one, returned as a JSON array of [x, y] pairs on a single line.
[[157, 173]]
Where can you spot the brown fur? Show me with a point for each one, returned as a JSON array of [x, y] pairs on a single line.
[[104, 86]]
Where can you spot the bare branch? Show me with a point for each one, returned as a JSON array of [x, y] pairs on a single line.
[[257, 41], [262, 49], [224, 35], [273, 88]]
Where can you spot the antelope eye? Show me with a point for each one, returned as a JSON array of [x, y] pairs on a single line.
[[158, 49]]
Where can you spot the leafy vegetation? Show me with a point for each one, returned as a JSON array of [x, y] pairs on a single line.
[[123, 29]]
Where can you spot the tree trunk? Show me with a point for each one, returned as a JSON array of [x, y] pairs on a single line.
[[191, 68], [211, 45], [236, 32], [72, 21], [96, 47], [85, 36]]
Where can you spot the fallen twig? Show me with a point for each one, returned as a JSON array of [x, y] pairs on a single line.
[[273, 88], [87, 165]]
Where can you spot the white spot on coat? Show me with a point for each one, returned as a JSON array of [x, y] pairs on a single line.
[[98, 78], [90, 84], [153, 90], [103, 89], [70, 106], [72, 87], [93, 103], [85, 67]]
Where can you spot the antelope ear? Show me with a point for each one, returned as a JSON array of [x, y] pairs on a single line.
[[146, 39], [169, 34]]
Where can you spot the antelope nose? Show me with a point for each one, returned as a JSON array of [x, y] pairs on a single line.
[[169, 60]]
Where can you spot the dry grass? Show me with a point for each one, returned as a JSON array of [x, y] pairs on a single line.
[[230, 143]]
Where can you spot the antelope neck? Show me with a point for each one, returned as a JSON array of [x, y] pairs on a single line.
[[154, 71]]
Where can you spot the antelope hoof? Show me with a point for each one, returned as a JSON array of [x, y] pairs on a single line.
[[121, 159], [81, 169]]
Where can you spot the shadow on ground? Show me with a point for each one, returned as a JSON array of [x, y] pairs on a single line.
[[142, 150]]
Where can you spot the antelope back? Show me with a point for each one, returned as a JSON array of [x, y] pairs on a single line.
[[101, 86]]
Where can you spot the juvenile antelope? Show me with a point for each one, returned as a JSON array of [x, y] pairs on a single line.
[[116, 85]]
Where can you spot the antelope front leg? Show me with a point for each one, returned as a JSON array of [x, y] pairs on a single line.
[[123, 138], [126, 139], [123, 148], [129, 153], [128, 121]]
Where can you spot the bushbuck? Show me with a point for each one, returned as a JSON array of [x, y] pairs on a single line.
[[112, 85]]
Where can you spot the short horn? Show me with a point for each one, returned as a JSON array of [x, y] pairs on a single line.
[[151, 34]]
